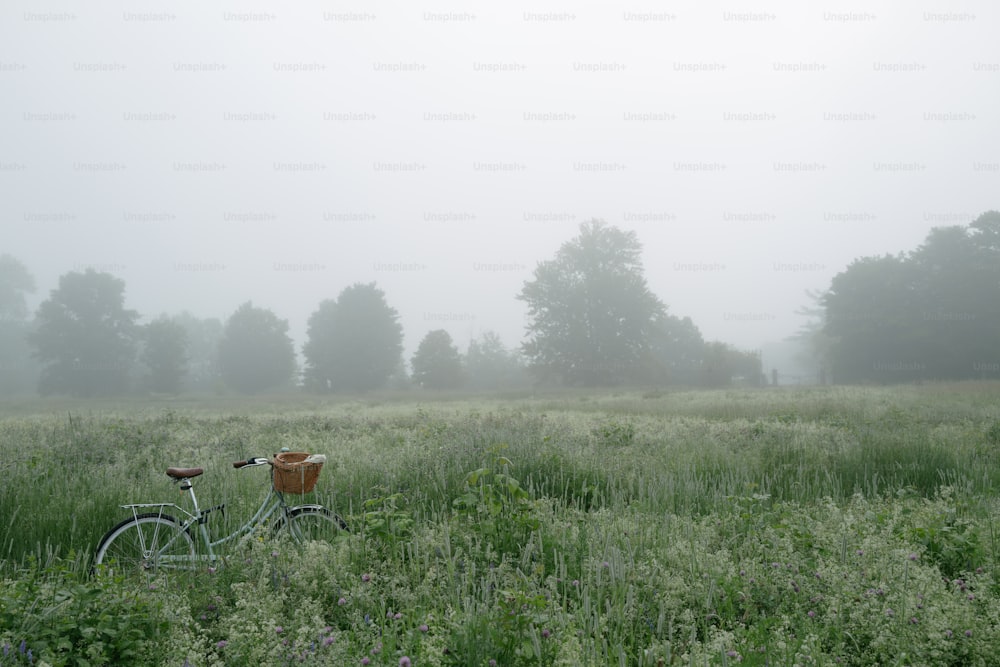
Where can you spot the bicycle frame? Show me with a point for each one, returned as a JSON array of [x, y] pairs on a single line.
[[269, 507]]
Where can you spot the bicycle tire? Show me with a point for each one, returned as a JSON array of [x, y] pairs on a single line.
[[121, 549], [306, 524]]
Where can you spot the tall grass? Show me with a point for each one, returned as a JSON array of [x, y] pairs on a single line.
[[574, 528]]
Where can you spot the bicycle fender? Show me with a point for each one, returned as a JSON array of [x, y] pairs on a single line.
[[312, 508]]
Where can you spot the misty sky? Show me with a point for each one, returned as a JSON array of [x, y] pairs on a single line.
[[211, 153]]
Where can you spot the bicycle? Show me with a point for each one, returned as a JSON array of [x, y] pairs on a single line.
[[152, 540]]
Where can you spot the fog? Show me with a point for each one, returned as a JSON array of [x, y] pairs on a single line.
[[210, 154]]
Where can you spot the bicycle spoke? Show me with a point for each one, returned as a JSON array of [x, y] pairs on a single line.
[[313, 524], [144, 544]]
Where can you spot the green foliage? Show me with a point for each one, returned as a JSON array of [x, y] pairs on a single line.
[[255, 352], [591, 313], [386, 519], [202, 338], [164, 353], [687, 527], [85, 337], [437, 363], [354, 342], [490, 365], [64, 620], [949, 540], [500, 508], [993, 433], [722, 365], [932, 313], [677, 352], [19, 372], [15, 283], [616, 433]]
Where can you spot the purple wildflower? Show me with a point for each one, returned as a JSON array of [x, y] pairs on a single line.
[[342, 601], [423, 628], [221, 643], [405, 661], [366, 577], [279, 629]]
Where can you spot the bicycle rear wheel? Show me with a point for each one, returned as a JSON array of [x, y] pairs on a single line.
[[306, 524], [144, 544]]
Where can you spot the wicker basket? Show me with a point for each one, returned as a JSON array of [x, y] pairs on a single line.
[[292, 474]]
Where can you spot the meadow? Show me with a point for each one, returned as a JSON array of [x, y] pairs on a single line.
[[813, 526]]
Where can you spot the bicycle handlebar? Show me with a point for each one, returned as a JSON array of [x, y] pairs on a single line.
[[258, 461]]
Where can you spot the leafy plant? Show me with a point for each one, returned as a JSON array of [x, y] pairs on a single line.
[[385, 518], [53, 616], [499, 504]]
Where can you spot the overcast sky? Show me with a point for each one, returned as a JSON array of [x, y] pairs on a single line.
[[211, 153]]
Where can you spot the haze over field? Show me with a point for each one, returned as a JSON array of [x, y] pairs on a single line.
[[212, 154]]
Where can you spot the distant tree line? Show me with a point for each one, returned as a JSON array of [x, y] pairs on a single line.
[[594, 322], [930, 314]]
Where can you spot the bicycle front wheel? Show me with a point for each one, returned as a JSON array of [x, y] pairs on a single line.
[[306, 524], [143, 544]]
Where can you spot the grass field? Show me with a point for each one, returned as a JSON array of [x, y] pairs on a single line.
[[851, 526]]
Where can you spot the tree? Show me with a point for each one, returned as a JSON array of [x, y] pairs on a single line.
[[165, 355], [723, 365], [490, 365], [18, 371], [354, 343], [85, 337], [591, 312], [868, 310], [932, 313], [15, 283], [437, 363], [813, 341], [255, 352], [677, 351], [203, 337]]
